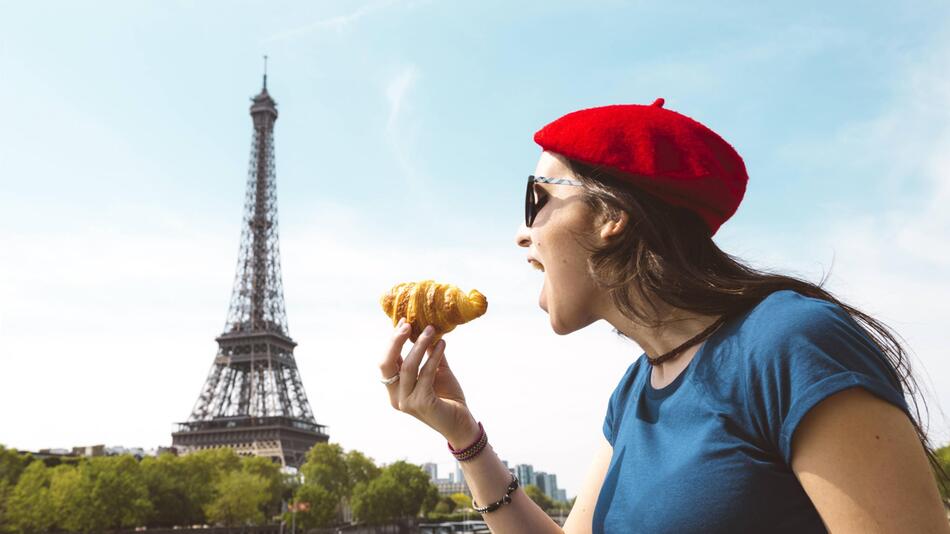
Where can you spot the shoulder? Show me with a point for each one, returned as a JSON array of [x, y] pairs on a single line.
[[769, 333], [787, 354], [790, 329], [787, 312]]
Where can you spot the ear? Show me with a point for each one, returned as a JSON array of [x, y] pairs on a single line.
[[611, 227]]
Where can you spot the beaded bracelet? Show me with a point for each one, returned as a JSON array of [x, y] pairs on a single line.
[[504, 500], [472, 450]]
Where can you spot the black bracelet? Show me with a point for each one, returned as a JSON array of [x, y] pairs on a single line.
[[504, 500]]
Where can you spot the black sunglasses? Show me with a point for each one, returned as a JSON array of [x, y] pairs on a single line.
[[533, 202]]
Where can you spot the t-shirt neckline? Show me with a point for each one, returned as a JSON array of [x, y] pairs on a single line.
[[669, 389]]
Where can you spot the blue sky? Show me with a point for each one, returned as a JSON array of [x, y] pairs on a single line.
[[403, 143]]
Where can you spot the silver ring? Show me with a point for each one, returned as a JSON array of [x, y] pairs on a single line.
[[391, 380]]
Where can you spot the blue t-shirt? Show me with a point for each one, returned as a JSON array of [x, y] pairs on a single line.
[[711, 451]]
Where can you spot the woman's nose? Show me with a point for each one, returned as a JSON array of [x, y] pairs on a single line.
[[523, 237]]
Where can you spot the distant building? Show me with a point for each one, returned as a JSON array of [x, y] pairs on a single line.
[[525, 473], [57, 452], [455, 483], [90, 450], [138, 452], [432, 469], [101, 450], [447, 487], [547, 482], [458, 472]]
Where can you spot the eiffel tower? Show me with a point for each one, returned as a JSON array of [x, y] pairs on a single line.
[[253, 399]]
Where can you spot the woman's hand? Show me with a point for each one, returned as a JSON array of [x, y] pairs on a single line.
[[431, 394]]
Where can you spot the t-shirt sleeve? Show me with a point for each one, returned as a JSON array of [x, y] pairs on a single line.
[[617, 404], [814, 353]]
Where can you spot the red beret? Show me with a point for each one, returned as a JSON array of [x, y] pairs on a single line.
[[668, 155]]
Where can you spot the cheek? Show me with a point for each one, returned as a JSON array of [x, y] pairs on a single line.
[[566, 268]]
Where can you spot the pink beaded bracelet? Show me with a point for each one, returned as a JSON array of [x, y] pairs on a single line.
[[472, 450]]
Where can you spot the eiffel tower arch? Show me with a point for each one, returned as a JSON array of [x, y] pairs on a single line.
[[253, 399]]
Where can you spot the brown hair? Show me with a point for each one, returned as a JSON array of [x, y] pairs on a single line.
[[667, 253]]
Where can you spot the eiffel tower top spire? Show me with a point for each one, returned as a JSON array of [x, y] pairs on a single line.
[[263, 104]]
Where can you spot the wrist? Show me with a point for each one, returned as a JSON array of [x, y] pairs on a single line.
[[465, 435]]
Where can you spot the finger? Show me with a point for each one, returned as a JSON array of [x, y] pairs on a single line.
[[410, 366], [393, 359], [427, 374]]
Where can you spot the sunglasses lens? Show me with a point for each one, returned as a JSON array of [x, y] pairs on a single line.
[[529, 205]]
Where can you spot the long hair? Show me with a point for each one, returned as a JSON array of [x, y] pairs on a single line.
[[667, 253]]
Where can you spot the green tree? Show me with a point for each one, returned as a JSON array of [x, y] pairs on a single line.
[[360, 469], [99, 494], [172, 491], [377, 501], [335, 473], [445, 505], [195, 476], [269, 470], [538, 497], [462, 501], [29, 505], [399, 491], [943, 458], [5, 490], [12, 463], [326, 467], [69, 498], [323, 507], [430, 500], [240, 497]]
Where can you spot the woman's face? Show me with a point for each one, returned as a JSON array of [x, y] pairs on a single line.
[[568, 294]]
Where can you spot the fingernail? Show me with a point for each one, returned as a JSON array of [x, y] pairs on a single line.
[[404, 328], [429, 330], [401, 321]]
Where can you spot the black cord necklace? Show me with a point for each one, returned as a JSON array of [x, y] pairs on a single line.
[[689, 343]]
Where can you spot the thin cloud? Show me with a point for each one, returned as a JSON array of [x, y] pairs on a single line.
[[398, 132], [338, 23]]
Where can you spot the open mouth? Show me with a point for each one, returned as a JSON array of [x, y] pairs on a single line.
[[536, 264]]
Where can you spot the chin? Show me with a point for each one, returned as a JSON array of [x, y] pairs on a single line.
[[562, 329]]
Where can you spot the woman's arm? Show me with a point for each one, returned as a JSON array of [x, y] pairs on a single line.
[[862, 465], [487, 477], [580, 520], [433, 395]]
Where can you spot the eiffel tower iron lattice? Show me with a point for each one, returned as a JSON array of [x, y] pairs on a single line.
[[253, 399]]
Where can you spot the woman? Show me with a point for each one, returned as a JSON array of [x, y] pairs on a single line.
[[759, 404]]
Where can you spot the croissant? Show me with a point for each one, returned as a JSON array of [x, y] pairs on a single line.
[[444, 306]]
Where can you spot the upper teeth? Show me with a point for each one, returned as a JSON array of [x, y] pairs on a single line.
[[537, 265]]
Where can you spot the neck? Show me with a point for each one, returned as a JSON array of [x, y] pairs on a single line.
[[677, 326]]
